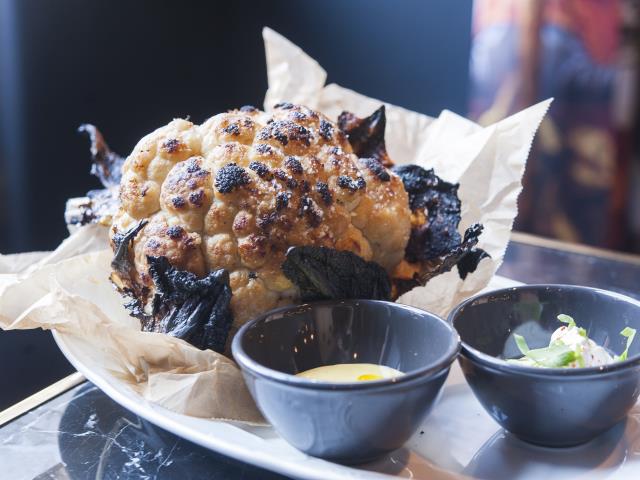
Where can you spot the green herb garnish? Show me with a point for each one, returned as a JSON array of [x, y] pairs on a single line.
[[558, 354], [579, 357], [521, 343], [555, 355], [571, 323], [567, 319], [630, 333]]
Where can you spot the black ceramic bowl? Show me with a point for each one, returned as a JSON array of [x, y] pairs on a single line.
[[550, 407], [345, 422]]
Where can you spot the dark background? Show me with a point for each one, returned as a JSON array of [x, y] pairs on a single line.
[[131, 66]]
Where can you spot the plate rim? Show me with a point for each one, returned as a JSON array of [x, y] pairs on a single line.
[[154, 414], [265, 460]]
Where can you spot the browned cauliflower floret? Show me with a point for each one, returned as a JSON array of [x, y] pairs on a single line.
[[237, 191]]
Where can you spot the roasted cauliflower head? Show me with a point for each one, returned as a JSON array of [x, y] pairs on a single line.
[[222, 221], [239, 190]]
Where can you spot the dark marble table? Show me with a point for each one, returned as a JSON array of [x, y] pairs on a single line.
[[79, 433]]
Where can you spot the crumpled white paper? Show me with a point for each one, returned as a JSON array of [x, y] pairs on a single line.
[[68, 289], [487, 162]]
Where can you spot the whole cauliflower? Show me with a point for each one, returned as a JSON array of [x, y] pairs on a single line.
[[238, 191]]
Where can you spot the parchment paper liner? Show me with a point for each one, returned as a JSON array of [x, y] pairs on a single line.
[[68, 290]]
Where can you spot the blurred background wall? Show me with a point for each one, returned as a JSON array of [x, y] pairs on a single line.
[[130, 67], [582, 179]]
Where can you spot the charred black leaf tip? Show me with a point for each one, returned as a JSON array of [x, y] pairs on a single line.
[[470, 260], [378, 119], [469, 263], [87, 128], [96, 141], [323, 273], [134, 306], [121, 262], [194, 309], [473, 232], [107, 165], [437, 243], [366, 135]]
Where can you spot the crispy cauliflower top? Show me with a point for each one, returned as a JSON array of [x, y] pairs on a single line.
[[237, 191]]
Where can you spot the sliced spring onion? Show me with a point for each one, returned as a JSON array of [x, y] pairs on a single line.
[[566, 319], [630, 333], [521, 343], [571, 323], [554, 356], [558, 354]]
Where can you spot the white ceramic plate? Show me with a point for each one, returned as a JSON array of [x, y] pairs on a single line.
[[458, 440]]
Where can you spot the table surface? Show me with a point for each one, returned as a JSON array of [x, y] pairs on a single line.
[[73, 431]]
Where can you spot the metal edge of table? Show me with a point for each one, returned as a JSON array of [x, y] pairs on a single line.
[[579, 248], [40, 397], [77, 378]]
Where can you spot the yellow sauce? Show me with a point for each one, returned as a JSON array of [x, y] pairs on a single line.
[[350, 372]]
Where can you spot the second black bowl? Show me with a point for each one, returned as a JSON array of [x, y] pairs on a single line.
[[551, 407]]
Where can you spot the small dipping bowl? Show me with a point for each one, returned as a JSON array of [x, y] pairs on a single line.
[[345, 422], [555, 407]]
